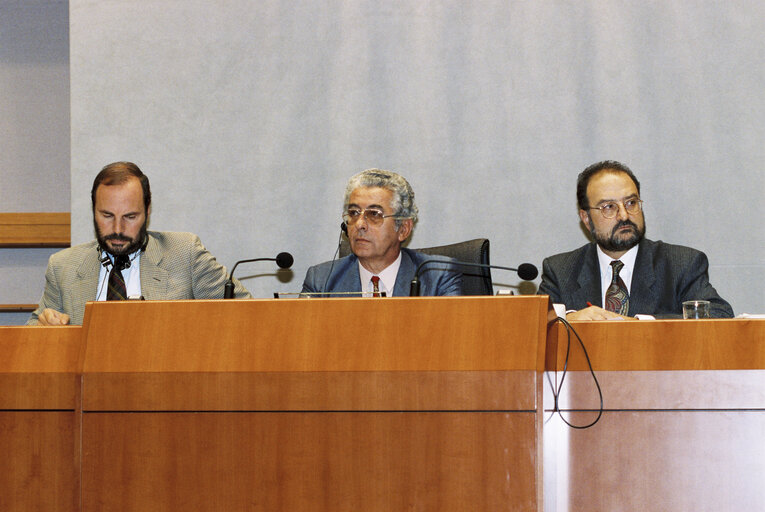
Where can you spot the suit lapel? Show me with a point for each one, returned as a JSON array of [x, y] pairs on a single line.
[[345, 277], [154, 280], [86, 285], [404, 276], [643, 299], [588, 281]]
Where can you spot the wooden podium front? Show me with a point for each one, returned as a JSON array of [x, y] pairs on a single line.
[[39, 390], [684, 421], [314, 404]]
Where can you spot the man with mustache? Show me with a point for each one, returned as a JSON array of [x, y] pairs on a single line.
[[622, 274], [126, 260], [379, 214]]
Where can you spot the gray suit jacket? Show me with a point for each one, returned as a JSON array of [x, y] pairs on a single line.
[[665, 275], [434, 279], [174, 266]]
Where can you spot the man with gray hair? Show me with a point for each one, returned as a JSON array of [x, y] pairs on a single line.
[[379, 214]]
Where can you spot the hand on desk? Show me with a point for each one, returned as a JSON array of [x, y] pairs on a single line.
[[53, 317], [596, 313]]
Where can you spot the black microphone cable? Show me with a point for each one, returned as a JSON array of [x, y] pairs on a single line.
[[556, 388], [106, 263], [343, 229], [525, 271]]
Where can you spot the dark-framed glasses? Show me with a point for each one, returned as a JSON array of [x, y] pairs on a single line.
[[374, 216], [611, 208]]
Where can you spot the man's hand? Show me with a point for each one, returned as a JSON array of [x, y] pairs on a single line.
[[596, 313], [53, 317]]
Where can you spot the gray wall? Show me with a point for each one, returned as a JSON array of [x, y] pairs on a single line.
[[249, 117], [34, 133]]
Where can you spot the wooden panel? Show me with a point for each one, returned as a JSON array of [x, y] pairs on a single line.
[[39, 349], [38, 469], [395, 334], [395, 404], [311, 391], [656, 460], [734, 344], [665, 390], [309, 461], [684, 420], [38, 367], [35, 229], [39, 390], [17, 308]]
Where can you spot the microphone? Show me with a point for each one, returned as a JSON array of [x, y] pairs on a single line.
[[106, 262], [103, 258], [526, 271], [301, 295], [283, 260]]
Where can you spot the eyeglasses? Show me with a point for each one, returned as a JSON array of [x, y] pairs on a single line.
[[374, 216], [611, 208]]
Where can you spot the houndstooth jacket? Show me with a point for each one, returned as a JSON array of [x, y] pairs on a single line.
[[174, 266]]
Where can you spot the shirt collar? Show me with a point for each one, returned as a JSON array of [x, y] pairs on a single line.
[[131, 275], [604, 262], [387, 277]]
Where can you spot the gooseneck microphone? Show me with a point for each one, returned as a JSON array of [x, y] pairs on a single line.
[[526, 271], [283, 260]]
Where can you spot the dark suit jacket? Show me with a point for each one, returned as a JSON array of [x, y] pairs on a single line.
[[345, 276], [174, 266], [665, 275]]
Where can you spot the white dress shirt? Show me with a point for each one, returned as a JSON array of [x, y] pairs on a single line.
[[131, 275], [387, 278], [607, 271]]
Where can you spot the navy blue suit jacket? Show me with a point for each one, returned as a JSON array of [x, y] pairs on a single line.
[[434, 279], [665, 275]]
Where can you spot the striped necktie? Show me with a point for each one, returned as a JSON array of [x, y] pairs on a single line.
[[116, 289], [375, 286]]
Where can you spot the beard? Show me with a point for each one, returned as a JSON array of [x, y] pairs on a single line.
[[133, 244], [615, 243]]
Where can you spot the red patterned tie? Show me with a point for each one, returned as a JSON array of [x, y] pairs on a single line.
[[375, 286], [617, 298]]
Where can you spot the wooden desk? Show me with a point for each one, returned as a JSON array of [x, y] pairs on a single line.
[[684, 421], [39, 394], [347, 404], [314, 404]]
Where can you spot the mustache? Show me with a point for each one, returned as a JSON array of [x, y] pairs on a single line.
[[623, 223], [118, 236]]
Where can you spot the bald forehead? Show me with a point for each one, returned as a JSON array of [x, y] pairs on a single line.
[[127, 194]]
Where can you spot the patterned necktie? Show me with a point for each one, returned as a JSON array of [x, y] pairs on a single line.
[[116, 289], [617, 298], [375, 286]]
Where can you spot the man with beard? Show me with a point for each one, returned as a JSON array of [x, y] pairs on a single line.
[[126, 260], [628, 273]]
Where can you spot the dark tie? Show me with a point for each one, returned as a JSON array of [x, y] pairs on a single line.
[[375, 286], [617, 298], [116, 289]]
